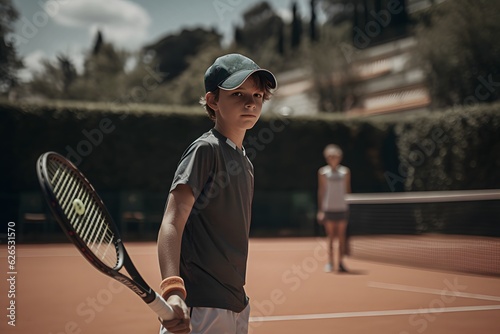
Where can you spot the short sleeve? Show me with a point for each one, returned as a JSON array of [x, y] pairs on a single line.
[[195, 167]]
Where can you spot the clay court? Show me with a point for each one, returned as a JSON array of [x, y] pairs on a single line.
[[57, 292]]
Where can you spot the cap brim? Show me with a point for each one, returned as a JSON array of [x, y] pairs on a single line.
[[237, 79]]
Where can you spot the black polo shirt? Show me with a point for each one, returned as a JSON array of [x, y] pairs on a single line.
[[215, 240]]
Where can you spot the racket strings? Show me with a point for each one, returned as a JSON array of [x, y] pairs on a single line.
[[91, 225]]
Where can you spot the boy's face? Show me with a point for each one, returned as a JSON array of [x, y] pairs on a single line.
[[239, 108]]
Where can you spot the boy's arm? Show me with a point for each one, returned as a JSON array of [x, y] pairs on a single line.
[[180, 203]]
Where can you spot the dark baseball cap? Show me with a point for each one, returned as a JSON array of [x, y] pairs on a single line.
[[230, 71]]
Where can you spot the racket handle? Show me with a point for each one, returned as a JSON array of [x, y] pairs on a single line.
[[160, 307]]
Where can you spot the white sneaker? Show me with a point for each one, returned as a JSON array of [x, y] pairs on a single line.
[[328, 268]]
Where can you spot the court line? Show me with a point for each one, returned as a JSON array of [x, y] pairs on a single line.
[[443, 292], [373, 313]]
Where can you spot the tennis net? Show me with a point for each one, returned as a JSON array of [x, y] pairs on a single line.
[[446, 230]]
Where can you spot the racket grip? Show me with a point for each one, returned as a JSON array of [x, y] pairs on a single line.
[[160, 307]]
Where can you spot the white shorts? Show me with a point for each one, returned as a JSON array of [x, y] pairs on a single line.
[[206, 320]]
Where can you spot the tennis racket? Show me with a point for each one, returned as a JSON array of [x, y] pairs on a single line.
[[88, 224]]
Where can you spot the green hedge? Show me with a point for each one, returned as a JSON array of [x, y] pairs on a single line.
[[116, 148], [139, 150], [452, 150], [136, 148]]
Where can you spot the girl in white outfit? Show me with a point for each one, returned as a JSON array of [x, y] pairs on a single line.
[[334, 182]]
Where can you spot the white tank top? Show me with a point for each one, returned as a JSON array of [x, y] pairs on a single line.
[[334, 198]]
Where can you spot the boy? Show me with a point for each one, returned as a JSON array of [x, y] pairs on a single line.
[[334, 182], [203, 239]]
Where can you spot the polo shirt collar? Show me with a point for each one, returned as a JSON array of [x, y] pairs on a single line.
[[228, 141]]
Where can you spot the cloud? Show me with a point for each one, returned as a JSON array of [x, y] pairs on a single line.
[[32, 63], [122, 22]]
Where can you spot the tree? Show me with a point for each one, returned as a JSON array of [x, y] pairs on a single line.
[[186, 89], [104, 60], [280, 44], [262, 36], [330, 69], [102, 78], [296, 27], [172, 51], [68, 72], [261, 26], [9, 61], [312, 24], [48, 82], [458, 47], [55, 79], [98, 43]]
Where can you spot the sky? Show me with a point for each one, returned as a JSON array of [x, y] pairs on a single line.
[[46, 28]]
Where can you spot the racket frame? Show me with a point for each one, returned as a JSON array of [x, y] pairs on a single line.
[[135, 283]]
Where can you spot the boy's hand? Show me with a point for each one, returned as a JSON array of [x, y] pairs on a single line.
[[181, 324]]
